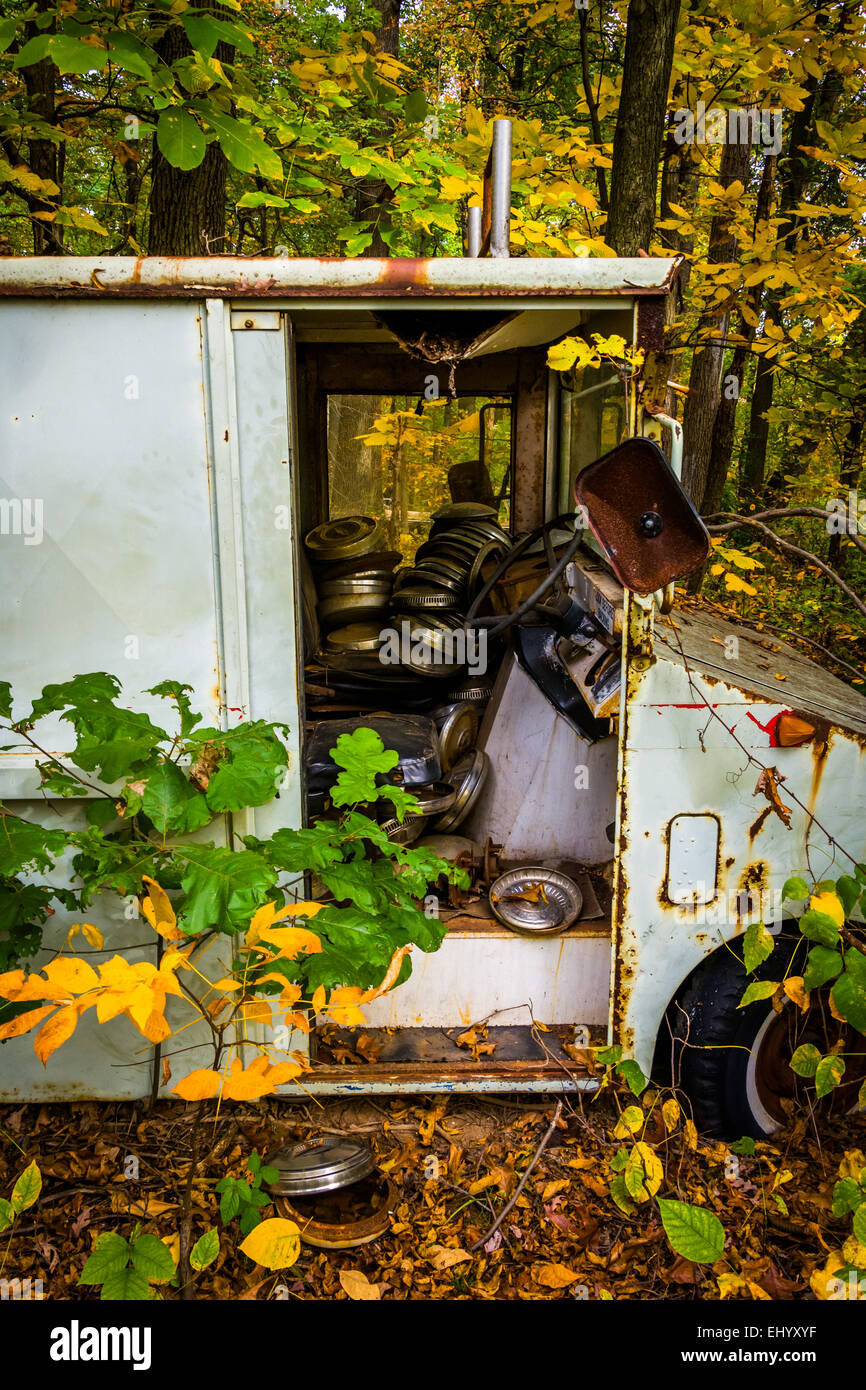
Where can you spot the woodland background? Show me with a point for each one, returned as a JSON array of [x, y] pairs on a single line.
[[307, 128]]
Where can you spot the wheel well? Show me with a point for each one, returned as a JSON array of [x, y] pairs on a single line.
[[663, 1053]]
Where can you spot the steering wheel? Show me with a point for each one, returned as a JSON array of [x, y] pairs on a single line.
[[497, 623]]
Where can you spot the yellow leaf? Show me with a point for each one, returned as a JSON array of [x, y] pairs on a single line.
[[199, 1085], [71, 975], [145, 1207], [92, 935], [793, 987], [270, 913], [227, 983], [829, 904], [275, 1243], [291, 941], [343, 1005], [671, 1114], [551, 1188], [318, 1000], [158, 911], [652, 1167], [690, 1135], [255, 1011], [717, 569], [453, 187], [54, 1032], [553, 1276], [445, 1256], [24, 1022], [629, 1122], [358, 1286], [730, 1283], [825, 1282], [390, 976], [736, 585], [852, 1164]]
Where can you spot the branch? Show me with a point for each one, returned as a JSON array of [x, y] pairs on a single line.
[[777, 513], [774, 542], [523, 1181]]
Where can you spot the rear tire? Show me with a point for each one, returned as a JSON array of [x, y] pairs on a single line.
[[732, 1063]]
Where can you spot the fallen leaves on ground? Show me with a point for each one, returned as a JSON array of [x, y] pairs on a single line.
[[454, 1163]]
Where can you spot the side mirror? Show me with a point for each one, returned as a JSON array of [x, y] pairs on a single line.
[[641, 516]]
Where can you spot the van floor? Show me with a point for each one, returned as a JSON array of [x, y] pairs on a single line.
[[478, 1047]]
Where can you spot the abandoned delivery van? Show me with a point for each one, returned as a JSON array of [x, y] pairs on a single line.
[[348, 493]]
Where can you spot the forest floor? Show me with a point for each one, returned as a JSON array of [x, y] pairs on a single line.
[[454, 1163]]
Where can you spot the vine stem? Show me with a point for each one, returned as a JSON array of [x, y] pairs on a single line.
[[545, 1140]]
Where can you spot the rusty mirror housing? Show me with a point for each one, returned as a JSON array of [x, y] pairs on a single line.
[[641, 516]]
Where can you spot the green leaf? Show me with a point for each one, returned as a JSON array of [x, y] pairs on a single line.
[[817, 926], [823, 964], [806, 1060], [8, 28], [127, 52], [7, 1214], [608, 1056], [258, 199], [254, 1163], [632, 1076], [180, 138], [177, 691], [69, 54], [620, 1194], [230, 1205], [205, 32], [27, 1188], [249, 1220], [829, 1073], [152, 1258], [758, 989], [847, 1196], [127, 1286], [205, 1250], [363, 757], [860, 1224], [23, 845], [795, 888], [223, 887], [110, 1254], [243, 146], [268, 1175], [757, 946], [746, 1145], [849, 996], [415, 107], [848, 890], [693, 1232], [5, 687], [250, 774], [172, 803], [100, 813]]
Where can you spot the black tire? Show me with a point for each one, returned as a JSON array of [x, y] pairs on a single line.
[[731, 1062]]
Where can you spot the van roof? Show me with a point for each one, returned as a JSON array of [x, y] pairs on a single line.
[[283, 277]]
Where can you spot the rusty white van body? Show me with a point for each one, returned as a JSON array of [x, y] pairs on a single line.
[[158, 414]]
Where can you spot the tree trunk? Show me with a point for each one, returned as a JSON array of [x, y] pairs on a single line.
[[188, 206], [705, 380], [722, 447], [637, 142], [795, 170], [40, 81], [373, 196]]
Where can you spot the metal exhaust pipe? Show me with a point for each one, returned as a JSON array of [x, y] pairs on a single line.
[[473, 231], [496, 211]]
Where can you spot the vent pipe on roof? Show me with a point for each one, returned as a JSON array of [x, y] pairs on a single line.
[[473, 231], [496, 208]]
